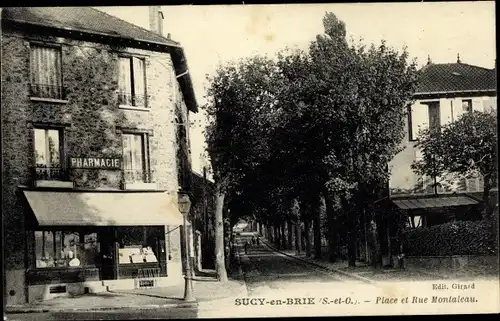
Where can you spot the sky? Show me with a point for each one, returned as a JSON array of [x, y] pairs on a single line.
[[212, 35]]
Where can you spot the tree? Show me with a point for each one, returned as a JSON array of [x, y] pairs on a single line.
[[359, 95], [239, 100], [464, 148]]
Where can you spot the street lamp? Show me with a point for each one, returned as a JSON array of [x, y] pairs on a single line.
[[184, 206]]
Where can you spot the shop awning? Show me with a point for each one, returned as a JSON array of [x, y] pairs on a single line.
[[103, 208], [441, 201]]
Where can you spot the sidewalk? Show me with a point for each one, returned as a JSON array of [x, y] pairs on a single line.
[[206, 289], [362, 272]]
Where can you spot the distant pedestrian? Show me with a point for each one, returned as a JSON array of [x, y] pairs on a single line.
[[253, 240], [258, 241], [247, 246]]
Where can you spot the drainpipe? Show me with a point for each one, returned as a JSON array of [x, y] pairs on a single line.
[[4, 277]]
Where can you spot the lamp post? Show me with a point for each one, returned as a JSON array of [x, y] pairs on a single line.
[[184, 206]]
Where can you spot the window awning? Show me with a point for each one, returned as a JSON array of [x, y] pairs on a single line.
[[441, 201], [53, 208]]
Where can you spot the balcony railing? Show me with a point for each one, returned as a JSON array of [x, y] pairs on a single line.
[[130, 99], [48, 173], [138, 176], [47, 91]]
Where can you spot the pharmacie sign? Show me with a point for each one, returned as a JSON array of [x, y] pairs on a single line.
[[95, 162]]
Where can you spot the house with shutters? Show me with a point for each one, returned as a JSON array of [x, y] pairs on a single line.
[[445, 92], [95, 152]]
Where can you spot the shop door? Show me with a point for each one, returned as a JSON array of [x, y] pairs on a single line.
[[108, 254]]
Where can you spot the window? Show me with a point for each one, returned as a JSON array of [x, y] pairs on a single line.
[[46, 75], [48, 149], [139, 244], [65, 249], [136, 158], [467, 105], [132, 82], [434, 117], [415, 221]]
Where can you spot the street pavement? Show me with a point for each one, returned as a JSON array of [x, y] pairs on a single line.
[[121, 314], [269, 272]]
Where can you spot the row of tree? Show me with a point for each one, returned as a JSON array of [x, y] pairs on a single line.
[[305, 128]]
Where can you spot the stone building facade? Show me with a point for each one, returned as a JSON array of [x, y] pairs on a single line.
[[94, 117]]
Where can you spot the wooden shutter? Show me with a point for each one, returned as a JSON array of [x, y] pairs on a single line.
[[477, 104], [434, 115], [445, 109], [127, 152], [420, 118], [139, 81], [125, 81]]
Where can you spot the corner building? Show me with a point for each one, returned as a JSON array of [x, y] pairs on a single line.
[[94, 150]]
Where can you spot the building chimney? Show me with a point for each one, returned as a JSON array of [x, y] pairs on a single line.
[[156, 19]]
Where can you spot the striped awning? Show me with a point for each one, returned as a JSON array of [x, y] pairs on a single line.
[[433, 202]]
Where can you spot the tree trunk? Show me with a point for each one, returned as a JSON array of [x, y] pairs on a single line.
[[219, 238], [352, 246], [307, 239], [289, 226], [298, 236], [317, 229], [277, 237], [389, 244], [487, 210], [377, 253], [283, 237], [330, 215]]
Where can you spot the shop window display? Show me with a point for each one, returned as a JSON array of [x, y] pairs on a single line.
[[65, 249], [137, 245]]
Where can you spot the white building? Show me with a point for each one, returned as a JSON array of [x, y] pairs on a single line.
[[445, 92]]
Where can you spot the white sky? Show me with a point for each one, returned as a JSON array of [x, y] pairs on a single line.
[[214, 34]]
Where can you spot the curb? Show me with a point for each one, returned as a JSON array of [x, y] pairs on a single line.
[[351, 275], [13, 310]]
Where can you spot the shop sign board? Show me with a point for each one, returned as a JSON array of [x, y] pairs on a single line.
[[95, 163]]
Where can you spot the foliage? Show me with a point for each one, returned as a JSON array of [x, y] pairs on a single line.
[[239, 98], [331, 117], [456, 238], [465, 147]]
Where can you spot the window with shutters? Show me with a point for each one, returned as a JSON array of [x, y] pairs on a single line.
[[46, 72], [132, 82], [136, 166]]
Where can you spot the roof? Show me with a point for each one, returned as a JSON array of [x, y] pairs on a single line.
[[86, 19], [455, 77], [92, 21], [434, 202]]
